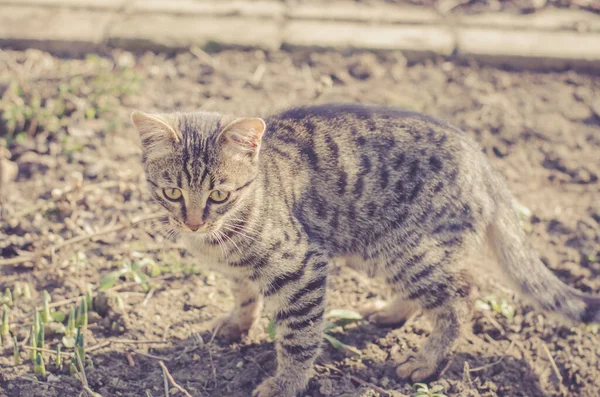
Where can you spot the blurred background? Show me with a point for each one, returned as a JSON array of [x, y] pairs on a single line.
[[519, 76]]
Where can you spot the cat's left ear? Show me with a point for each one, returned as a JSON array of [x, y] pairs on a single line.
[[243, 136]]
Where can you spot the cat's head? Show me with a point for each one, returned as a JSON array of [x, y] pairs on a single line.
[[199, 166]]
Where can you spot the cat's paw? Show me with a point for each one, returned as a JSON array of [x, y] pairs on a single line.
[[280, 387], [269, 388], [418, 369], [385, 313], [230, 328]]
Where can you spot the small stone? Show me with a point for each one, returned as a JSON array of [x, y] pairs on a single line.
[[56, 193], [326, 388], [577, 111], [8, 171]]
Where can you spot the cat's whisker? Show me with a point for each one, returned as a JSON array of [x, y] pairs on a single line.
[[232, 242], [220, 242], [240, 227], [240, 233]]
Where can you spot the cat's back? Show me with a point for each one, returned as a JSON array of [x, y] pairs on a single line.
[[356, 124], [333, 136]]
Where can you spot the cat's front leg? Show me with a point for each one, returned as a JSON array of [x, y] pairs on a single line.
[[299, 298], [248, 303]]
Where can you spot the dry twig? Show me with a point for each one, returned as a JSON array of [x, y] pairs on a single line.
[[41, 349], [130, 361], [151, 356], [172, 381], [552, 363]]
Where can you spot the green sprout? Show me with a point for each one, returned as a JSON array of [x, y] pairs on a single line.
[[40, 338], [16, 354], [37, 322], [26, 291], [89, 297], [83, 314], [69, 339], [5, 327], [46, 317], [422, 390], [58, 361], [32, 344], [17, 290], [80, 343], [40, 367], [8, 297]]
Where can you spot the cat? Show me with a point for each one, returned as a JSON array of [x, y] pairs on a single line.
[[271, 202]]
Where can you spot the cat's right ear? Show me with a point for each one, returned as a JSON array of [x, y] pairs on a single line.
[[155, 130]]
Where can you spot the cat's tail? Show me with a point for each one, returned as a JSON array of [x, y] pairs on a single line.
[[528, 273]]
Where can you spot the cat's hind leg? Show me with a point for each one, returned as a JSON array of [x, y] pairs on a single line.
[[431, 279]]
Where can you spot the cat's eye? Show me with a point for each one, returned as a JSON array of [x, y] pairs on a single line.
[[218, 196], [172, 194]]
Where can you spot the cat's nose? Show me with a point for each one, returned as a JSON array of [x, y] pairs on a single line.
[[193, 226]]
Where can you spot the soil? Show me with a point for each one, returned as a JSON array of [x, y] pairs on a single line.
[[79, 172]]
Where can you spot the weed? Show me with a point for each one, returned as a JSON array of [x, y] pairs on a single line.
[[500, 306], [27, 108], [129, 271], [423, 390]]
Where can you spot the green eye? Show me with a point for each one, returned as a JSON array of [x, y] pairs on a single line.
[[172, 194], [218, 196]]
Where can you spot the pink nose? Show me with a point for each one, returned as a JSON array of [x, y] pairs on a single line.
[[193, 226]]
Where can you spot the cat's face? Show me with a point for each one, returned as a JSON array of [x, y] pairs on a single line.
[[200, 167]]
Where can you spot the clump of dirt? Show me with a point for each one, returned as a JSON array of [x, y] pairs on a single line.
[[68, 212]]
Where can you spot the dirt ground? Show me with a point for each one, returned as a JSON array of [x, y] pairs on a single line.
[[66, 123]]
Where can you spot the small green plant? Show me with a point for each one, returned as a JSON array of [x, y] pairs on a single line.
[[5, 327], [16, 353], [80, 343], [46, 317], [8, 297], [41, 336], [17, 290], [32, 343], [83, 314], [58, 360], [129, 271], [39, 367], [423, 390], [500, 306], [26, 291]]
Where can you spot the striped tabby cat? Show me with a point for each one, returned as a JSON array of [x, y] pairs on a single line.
[[271, 202]]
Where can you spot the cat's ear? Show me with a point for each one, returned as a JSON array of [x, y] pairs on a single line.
[[155, 130], [243, 136]]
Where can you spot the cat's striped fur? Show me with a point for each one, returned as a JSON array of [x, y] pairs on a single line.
[[404, 194]]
